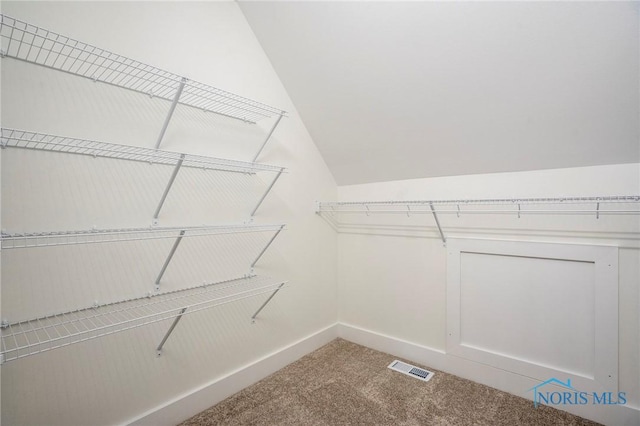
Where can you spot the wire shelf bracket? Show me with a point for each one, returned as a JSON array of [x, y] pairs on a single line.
[[174, 103], [273, 182], [266, 247], [166, 336], [172, 179], [435, 217], [168, 260], [273, 128], [253, 317], [38, 335]]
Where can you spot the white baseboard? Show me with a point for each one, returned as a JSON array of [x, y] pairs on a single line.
[[193, 402], [494, 377], [187, 405]]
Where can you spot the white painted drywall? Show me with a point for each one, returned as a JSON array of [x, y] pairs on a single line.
[[401, 90], [117, 378], [392, 271]]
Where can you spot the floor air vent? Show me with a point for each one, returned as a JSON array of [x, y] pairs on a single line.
[[410, 370]]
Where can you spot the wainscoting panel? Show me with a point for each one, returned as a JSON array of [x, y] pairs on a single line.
[[537, 309]]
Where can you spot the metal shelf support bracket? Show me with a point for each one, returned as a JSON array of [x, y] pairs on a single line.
[[168, 260], [253, 264], [273, 182], [166, 190], [273, 128], [176, 98], [253, 317], [166, 336], [435, 216]]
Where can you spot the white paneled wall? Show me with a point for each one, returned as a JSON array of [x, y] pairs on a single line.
[[208, 42]]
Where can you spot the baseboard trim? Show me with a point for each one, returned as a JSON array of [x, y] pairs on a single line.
[[494, 377], [193, 402], [188, 404]]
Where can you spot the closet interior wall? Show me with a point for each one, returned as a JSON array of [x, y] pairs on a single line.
[[48, 191], [409, 304]]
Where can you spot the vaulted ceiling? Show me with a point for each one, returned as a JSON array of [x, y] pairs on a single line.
[[398, 90]]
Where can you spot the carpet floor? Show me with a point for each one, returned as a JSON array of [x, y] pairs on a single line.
[[347, 384]]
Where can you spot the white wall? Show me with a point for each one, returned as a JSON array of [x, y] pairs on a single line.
[[391, 277], [392, 271], [118, 378]]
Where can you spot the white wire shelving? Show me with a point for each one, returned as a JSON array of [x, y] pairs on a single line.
[[63, 238], [29, 43], [25, 338], [13, 138], [468, 206], [596, 206], [93, 236]]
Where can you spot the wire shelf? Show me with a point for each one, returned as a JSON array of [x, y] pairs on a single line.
[[513, 201], [42, 334], [563, 205], [61, 238], [12, 138], [29, 43]]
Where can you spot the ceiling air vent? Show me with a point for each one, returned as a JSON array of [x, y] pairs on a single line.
[[411, 370]]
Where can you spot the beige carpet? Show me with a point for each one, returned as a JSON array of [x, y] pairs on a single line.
[[343, 383]]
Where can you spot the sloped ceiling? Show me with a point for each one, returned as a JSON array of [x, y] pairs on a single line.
[[395, 90]]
